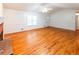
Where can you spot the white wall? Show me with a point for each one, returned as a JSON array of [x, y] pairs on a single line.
[[15, 21], [1, 13], [12, 20], [63, 19]]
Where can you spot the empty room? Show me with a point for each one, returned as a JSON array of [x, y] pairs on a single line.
[[41, 28]]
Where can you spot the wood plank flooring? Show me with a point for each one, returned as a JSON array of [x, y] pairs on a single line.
[[45, 41]]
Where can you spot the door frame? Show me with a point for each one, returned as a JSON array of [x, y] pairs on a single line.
[[76, 22]]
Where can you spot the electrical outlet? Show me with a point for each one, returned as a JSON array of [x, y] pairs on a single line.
[[22, 29]]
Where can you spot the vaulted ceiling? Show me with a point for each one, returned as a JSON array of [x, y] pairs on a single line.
[[41, 6]]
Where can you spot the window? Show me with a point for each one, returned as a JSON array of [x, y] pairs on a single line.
[[31, 20]]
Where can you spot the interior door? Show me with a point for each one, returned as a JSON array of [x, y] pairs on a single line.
[[76, 22]]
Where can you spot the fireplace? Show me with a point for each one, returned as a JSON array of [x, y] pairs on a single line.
[[5, 44], [1, 31]]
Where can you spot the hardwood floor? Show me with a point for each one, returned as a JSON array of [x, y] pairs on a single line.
[[47, 41]]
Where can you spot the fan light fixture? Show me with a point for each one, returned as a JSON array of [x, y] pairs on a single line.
[[77, 13], [45, 10]]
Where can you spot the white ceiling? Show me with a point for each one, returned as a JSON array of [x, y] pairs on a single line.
[[40, 6]]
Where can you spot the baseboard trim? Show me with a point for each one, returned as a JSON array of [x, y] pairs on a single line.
[[42, 28], [25, 31], [62, 28]]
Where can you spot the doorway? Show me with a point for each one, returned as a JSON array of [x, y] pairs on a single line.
[[77, 21]]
